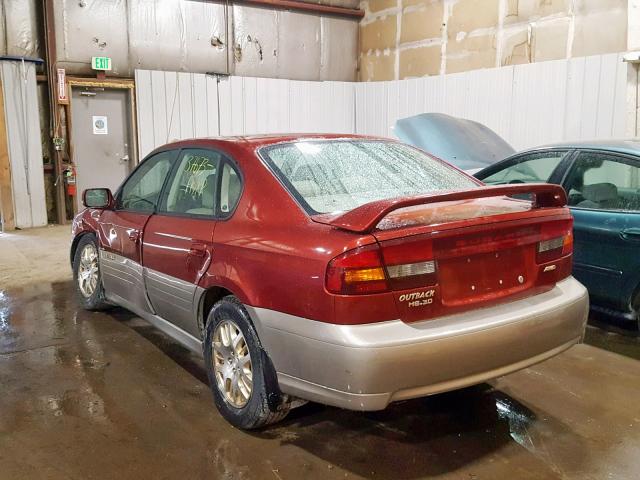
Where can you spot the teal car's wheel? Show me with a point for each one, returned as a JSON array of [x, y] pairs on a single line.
[[635, 305]]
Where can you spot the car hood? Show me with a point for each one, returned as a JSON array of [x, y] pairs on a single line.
[[466, 144]]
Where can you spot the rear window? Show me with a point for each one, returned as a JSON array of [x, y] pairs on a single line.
[[330, 176]]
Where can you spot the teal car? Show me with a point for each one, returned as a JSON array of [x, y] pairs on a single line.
[[602, 181]]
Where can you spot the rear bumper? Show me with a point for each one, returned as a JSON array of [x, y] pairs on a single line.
[[365, 367]]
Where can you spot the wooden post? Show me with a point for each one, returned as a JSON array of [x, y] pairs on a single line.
[[6, 188]]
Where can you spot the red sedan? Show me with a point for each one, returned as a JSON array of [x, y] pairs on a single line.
[[347, 270]]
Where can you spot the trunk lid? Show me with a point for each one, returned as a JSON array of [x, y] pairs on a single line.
[[472, 249], [474, 263]]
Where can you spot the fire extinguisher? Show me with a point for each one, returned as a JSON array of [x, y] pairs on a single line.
[[70, 180]]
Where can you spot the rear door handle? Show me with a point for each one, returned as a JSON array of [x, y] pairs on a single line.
[[198, 250], [632, 234], [134, 235]]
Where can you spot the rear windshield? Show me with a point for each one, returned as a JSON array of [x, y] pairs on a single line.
[[339, 175]]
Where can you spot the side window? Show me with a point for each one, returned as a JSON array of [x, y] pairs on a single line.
[[141, 191], [230, 189], [192, 190], [533, 168], [604, 182]]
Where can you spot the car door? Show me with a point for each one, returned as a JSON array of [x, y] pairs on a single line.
[[532, 167], [604, 197], [121, 231], [177, 246]]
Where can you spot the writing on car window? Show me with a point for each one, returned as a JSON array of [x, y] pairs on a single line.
[[193, 188]]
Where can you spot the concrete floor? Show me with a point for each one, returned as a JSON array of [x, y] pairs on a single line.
[[104, 395], [34, 255]]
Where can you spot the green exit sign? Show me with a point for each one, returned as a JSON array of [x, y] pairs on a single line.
[[101, 63]]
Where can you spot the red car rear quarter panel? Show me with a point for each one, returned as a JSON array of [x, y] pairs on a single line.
[[272, 255]]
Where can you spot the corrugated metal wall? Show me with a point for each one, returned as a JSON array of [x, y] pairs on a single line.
[[173, 106], [581, 98], [267, 105], [528, 105]]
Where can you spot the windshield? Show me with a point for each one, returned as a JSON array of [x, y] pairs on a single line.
[[338, 175]]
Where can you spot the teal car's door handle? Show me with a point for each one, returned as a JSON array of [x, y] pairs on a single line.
[[631, 234]]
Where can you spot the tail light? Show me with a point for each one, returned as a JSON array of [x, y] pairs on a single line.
[[410, 263], [356, 272], [557, 241], [370, 270]]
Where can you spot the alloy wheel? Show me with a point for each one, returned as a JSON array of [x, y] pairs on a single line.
[[88, 270], [232, 364]]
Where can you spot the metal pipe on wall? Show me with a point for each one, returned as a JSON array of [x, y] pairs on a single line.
[[50, 53], [226, 35], [306, 7]]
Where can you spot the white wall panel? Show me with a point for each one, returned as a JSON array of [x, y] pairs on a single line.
[[173, 106], [528, 105], [18, 80]]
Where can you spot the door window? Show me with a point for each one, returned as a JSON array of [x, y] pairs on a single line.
[[141, 191], [193, 189], [533, 168], [604, 182]]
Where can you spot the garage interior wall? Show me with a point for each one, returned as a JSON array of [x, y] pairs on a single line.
[[173, 106], [19, 29], [193, 36], [25, 150], [412, 38], [528, 105]]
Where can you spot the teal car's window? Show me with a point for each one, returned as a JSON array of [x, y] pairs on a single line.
[[192, 190], [604, 182], [532, 168], [141, 191]]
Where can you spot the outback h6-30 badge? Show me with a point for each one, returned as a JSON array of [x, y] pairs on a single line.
[[418, 299]]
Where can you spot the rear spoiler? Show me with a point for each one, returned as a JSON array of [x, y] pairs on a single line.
[[365, 218]]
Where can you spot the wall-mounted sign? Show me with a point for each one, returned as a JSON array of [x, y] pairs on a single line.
[[101, 63], [100, 126], [62, 87]]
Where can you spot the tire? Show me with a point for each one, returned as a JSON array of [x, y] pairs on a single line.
[[245, 408], [90, 298], [635, 307]]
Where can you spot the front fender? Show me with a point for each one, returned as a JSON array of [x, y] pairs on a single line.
[[83, 223]]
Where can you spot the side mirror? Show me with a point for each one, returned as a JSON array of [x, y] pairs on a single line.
[[97, 198]]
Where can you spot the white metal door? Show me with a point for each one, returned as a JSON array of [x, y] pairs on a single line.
[[101, 137]]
